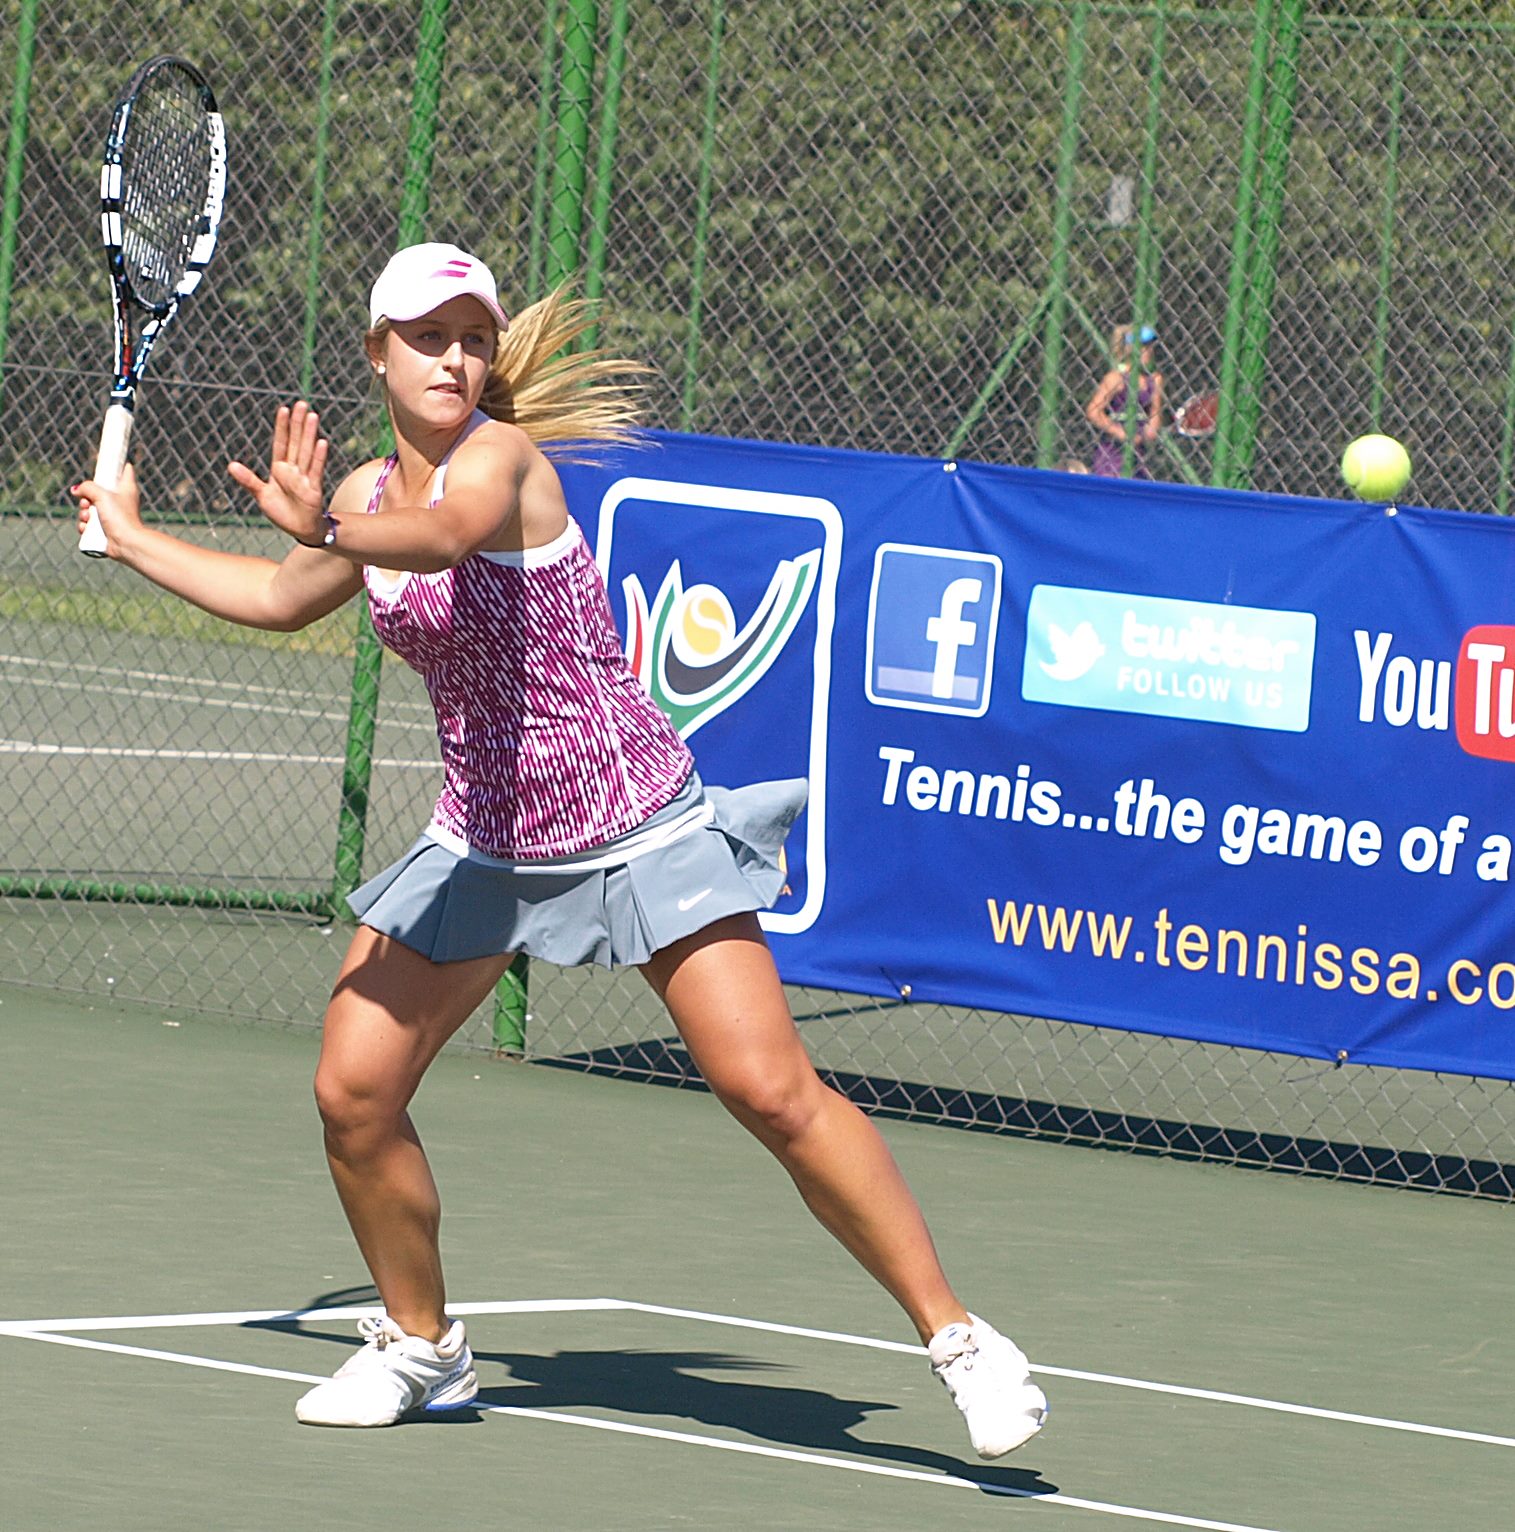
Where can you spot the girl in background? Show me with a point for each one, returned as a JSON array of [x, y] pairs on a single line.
[[1108, 407]]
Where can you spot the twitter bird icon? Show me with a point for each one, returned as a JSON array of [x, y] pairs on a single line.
[[1074, 654]]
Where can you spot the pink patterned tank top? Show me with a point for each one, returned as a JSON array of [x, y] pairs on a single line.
[[550, 744]]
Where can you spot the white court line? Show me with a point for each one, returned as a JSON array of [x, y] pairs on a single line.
[[39, 1329], [686, 1438], [266, 709], [129, 752], [821, 1460], [211, 1363], [272, 1316], [263, 709], [1099, 1377], [1383, 1423], [182, 680]]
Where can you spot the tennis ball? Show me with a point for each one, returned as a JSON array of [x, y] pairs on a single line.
[[1375, 467]]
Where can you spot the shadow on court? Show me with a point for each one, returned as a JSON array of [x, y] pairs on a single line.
[[667, 1384]]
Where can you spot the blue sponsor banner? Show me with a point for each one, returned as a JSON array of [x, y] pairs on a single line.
[[1215, 765]]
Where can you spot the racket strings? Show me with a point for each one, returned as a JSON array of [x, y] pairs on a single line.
[[165, 177]]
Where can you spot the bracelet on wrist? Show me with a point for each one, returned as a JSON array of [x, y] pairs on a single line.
[[329, 525]]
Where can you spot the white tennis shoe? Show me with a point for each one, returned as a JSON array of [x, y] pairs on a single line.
[[393, 1374], [990, 1382]]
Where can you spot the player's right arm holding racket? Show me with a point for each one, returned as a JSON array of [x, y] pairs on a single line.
[[254, 592]]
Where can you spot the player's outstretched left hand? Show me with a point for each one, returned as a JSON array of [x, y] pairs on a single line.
[[291, 496]]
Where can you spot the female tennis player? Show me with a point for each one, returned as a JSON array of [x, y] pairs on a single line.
[[571, 825], [1107, 407]]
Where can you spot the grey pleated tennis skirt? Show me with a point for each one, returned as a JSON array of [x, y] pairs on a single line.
[[449, 907]]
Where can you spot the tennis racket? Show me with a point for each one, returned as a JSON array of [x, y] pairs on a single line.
[[1196, 416], [162, 187]]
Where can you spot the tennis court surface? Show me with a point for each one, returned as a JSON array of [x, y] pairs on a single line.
[[666, 1340]]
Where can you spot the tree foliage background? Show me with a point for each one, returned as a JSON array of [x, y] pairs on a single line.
[[881, 222]]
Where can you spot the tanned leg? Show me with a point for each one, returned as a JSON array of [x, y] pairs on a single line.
[[724, 994], [390, 1013]]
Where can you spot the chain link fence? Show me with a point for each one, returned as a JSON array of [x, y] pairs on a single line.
[[896, 226]]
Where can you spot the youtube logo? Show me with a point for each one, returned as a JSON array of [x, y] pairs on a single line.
[[1485, 692]]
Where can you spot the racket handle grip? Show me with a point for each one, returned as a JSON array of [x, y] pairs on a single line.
[[115, 440]]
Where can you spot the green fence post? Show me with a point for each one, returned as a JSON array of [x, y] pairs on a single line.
[[564, 224], [1062, 238], [702, 211], [1263, 277], [995, 381], [318, 200], [510, 1001], [421, 144], [15, 155], [1386, 236], [1241, 241], [547, 97], [565, 212], [604, 174], [1145, 298], [363, 713]]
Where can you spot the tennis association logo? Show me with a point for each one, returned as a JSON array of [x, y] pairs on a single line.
[[688, 649], [726, 598]]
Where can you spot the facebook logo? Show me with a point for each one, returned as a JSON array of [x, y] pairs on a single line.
[[932, 617]]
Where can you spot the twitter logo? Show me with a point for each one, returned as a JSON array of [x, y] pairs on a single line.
[[1074, 654], [1168, 657]]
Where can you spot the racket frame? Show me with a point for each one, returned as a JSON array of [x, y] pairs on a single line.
[[134, 342]]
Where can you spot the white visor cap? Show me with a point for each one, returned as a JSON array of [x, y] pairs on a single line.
[[421, 278]]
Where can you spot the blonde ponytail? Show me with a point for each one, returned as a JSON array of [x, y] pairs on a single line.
[[554, 394]]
